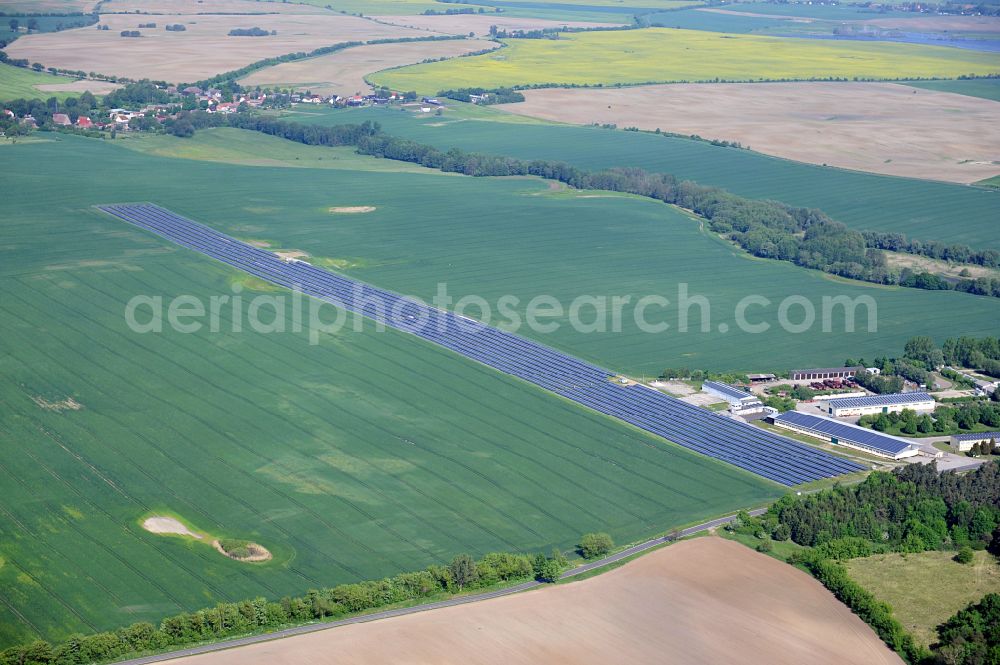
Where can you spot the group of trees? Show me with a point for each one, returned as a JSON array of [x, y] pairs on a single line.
[[175, 27], [131, 33], [228, 619], [972, 636], [251, 32], [492, 95], [946, 420], [979, 353], [912, 509]]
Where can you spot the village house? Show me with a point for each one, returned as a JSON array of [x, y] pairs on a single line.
[[83, 122], [61, 119]]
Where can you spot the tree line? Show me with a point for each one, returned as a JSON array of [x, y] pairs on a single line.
[[804, 236], [492, 95], [260, 615]]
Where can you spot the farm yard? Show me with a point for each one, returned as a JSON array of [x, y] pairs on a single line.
[[659, 55], [202, 50], [344, 72], [876, 127], [338, 458], [701, 601], [920, 209]]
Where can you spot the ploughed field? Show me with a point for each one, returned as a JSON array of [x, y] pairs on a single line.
[[876, 127], [363, 456], [705, 600]]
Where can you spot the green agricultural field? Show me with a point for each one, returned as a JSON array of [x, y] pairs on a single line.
[[985, 88], [356, 458], [666, 55], [926, 589], [19, 83], [921, 209], [518, 237]]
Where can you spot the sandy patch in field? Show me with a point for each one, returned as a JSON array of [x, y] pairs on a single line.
[[291, 254], [463, 24], [352, 210], [258, 553], [201, 51], [96, 87], [877, 127], [343, 73], [706, 600], [68, 404], [168, 525], [924, 263], [209, 7]]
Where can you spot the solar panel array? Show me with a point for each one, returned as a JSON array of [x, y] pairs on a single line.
[[879, 400], [758, 451], [977, 436], [727, 389], [843, 432]]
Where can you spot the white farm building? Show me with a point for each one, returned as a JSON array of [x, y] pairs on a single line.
[[740, 402], [875, 404], [961, 443]]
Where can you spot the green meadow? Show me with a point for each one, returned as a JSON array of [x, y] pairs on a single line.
[[985, 88], [362, 456], [19, 83], [921, 209]]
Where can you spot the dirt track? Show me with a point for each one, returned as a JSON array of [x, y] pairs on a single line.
[[877, 127], [705, 600]]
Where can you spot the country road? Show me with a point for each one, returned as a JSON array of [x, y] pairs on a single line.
[[388, 614]]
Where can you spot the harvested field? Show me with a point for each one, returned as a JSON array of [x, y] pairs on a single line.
[[208, 7], [46, 6], [705, 600], [876, 127], [96, 87], [203, 50], [463, 24], [730, 12], [343, 73]]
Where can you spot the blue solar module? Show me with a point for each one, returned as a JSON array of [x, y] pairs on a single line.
[[977, 436], [845, 433], [879, 400], [750, 448]]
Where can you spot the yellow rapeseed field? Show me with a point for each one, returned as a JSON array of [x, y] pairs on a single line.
[[668, 55]]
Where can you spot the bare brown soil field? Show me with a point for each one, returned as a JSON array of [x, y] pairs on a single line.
[[706, 600], [463, 24], [344, 72], [209, 7], [877, 127], [201, 51], [96, 87]]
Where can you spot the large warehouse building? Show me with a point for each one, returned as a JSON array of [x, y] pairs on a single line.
[[873, 404], [845, 434], [961, 443]]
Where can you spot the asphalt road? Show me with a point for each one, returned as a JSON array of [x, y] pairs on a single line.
[[387, 614]]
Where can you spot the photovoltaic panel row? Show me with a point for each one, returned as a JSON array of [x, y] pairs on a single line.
[[758, 451]]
